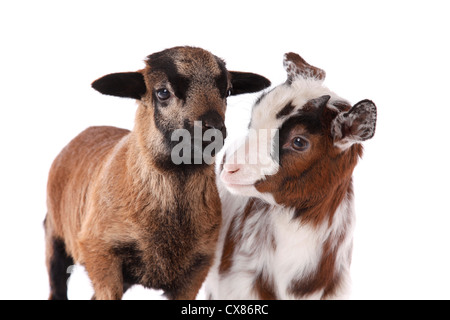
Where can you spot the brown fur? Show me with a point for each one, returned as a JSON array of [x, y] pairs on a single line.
[[116, 203], [314, 190], [265, 288], [113, 208], [228, 249]]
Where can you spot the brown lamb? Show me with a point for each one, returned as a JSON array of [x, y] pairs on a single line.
[[119, 206]]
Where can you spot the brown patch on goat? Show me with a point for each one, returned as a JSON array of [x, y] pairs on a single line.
[[326, 277], [233, 236], [285, 111], [315, 182], [264, 288], [229, 248]]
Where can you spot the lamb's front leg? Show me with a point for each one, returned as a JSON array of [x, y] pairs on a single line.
[[105, 271], [188, 288]]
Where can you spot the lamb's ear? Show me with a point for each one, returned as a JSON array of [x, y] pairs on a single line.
[[125, 85], [245, 82], [354, 126]]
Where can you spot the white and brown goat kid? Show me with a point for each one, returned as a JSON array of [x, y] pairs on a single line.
[[117, 202], [288, 217]]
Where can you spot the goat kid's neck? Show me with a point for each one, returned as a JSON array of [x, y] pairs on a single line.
[[322, 207]]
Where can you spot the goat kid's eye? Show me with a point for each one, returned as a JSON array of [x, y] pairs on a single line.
[[300, 144], [163, 94]]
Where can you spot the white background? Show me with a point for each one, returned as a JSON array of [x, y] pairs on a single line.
[[393, 52]]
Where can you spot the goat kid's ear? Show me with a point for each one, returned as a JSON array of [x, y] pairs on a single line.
[[354, 126], [124, 84], [297, 67], [245, 82]]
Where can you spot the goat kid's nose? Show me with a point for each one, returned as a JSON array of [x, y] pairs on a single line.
[[231, 168]]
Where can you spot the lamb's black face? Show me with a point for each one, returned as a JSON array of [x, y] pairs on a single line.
[[189, 101]]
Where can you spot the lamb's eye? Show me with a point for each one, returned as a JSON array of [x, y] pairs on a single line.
[[300, 144], [163, 94]]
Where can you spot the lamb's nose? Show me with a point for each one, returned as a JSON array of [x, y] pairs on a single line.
[[213, 125], [212, 120]]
